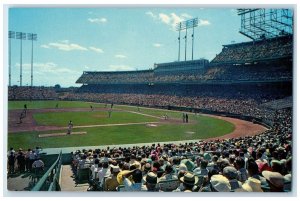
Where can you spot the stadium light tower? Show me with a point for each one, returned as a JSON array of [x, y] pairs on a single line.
[[32, 37], [185, 25], [179, 29], [11, 34], [21, 36]]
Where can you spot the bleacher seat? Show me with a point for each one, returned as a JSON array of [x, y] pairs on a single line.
[[83, 175]]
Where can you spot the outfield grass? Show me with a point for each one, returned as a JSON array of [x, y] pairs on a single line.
[[89, 118], [204, 127]]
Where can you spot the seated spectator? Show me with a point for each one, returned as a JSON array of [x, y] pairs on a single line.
[[111, 183], [253, 172], [219, 183], [136, 184], [169, 173], [202, 170], [95, 169], [151, 182], [188, 180], [231, 174], [242, 172], [146, 168], [103, 174], [275, 180], [250, 185]]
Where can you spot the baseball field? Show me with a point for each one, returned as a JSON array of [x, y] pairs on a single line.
[[98, 124]]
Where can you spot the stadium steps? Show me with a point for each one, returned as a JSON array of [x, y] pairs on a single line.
[[20, 182], [68, 182]]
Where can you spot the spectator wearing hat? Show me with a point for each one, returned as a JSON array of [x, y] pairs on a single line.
[[231, 174], [188, 181], [219, 183], [111, 183], [251, 185], [150, 182], [275, 180], [136, 184]]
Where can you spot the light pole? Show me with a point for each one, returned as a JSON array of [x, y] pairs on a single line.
[[11, 34], [185, 25], [32, 37], [21, 36]]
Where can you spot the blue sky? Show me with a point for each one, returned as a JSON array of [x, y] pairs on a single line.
[[73, 40]]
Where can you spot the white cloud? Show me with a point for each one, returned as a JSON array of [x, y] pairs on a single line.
[[120, 68], [64, 46], [67, 47], [157, 44], [204, 22], [97, 20], [120, 56], [164, 18], [46, 68], [169, 19], [98, 50]]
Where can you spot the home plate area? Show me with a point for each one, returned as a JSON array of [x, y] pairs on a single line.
[[61, 134]]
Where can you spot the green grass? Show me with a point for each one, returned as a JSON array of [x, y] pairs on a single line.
[[89, 118], [202, 128], [151, 111]]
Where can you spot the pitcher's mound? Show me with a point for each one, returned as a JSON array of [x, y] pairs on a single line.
[[61, 134]]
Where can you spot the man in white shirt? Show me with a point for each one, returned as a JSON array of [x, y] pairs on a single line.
[[95, 169], [38, 164], [103, 173]]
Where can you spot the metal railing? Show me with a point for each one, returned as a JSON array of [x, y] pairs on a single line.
[[50, 180]]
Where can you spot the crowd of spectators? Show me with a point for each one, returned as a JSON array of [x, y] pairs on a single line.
[[32, 93], [261, 163], [22, 161], [249, 106], [229, 73], [233, 73], [145, 76], [257, 50]]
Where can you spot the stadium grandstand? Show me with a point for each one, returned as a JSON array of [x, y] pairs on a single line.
[[252, 81]]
